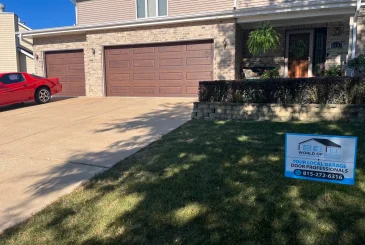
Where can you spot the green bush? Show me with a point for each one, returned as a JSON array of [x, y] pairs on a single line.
[[334, 71], [357, 64], [271, 73], [316, 90]]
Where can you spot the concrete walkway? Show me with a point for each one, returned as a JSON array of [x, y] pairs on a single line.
[[46, 151]]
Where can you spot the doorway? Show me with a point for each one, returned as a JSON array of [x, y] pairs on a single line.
[[299, 52]]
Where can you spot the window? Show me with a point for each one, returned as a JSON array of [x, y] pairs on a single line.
[[317, 148], [333, 150], [307, 148], [12, 78], [151, 8]]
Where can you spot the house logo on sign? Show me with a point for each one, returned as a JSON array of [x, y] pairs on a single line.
[[317, 147]]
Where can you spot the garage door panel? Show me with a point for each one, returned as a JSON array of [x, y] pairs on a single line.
[[117, 52], [171, 76], [75, 54], [203, 75], [76, 88], [69, 67], [172, 69], [144, 76], [143, 63], [120, 77], [119, 64], [117, 90], [171, 62], [170, 90], [198, 47], [192, 90], [144, 50], [144, 90], [199, 61], [169, 49]]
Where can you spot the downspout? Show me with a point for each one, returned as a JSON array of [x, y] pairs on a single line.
[[354, 30], [234, 4], [76, 15]]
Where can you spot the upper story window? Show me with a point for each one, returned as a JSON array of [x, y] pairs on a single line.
[[151, 8]]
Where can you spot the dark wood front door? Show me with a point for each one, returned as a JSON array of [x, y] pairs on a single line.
[[299, 52], [161, 70]]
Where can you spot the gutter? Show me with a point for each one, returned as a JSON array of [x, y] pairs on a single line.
[[26, 53], [24, 26], [228, 14]]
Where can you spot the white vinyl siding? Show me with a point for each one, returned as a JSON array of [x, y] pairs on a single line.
[[184, 7]]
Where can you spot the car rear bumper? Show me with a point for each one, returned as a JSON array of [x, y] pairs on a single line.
[[56, 89]]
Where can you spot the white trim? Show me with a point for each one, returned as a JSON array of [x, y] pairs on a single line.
[[230, 14], [354, 29], [310, 58], [24, 26], [26, 53]]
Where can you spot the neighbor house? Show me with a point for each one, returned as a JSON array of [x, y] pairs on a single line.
[[165, 47], [16, 54]]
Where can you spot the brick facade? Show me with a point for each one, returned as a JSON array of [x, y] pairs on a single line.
[[222, 32]]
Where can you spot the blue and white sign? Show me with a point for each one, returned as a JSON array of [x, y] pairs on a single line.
[[321, 158]]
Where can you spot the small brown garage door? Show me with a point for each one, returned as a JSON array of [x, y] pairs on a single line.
[[172, 69], [69, 67]]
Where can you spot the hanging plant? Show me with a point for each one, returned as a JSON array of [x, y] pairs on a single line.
[[263, 39]]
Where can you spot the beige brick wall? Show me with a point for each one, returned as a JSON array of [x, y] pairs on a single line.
[[220, 31]]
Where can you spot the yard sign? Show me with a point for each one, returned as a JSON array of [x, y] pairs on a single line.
[[321, 158]]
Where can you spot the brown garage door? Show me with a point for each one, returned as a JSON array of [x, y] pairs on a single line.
[[173, 69], [69, 67]]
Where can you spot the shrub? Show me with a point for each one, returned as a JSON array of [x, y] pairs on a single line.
[[357, 64], [317, 90], [271, 73], [334, 71]]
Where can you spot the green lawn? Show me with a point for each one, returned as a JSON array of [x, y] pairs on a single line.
[[208, 183]]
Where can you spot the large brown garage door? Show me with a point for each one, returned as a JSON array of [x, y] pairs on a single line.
[[69, 67], [172, 69]]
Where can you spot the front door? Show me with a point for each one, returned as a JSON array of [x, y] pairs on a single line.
[[299, 54]]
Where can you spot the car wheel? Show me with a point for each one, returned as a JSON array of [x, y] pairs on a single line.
[[42, 96]]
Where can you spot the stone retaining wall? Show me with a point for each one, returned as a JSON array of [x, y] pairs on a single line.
[[276, 112]]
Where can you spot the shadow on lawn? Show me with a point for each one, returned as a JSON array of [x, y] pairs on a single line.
[[212, 183], [223, 183]]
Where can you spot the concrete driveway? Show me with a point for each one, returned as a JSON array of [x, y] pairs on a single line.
[[46, 151]]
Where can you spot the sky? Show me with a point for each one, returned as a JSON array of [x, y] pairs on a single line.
[[38, 14]]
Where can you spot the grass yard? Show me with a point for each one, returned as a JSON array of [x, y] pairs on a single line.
[[208, 183]]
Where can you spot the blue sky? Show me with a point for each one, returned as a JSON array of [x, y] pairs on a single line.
[[42, 13]]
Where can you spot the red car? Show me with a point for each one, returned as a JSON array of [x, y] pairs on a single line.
[[20, 87]]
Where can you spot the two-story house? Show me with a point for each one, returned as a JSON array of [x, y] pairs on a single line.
[[16, 55], [165, 47]]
